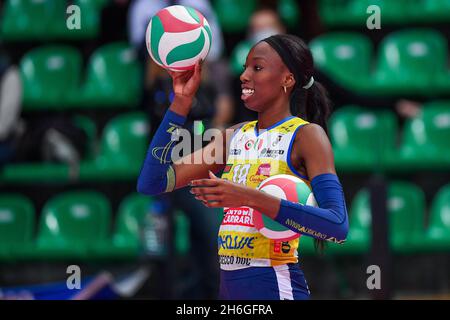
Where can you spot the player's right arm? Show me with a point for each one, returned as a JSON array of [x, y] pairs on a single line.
[[159, 173]]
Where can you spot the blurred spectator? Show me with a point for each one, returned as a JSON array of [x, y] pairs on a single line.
[[214, 107], [10, 104], [48, 138], [264, 23]]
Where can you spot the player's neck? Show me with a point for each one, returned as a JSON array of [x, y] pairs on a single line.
[[269, 117]]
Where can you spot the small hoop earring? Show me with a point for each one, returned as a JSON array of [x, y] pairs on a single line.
[[285, 91]]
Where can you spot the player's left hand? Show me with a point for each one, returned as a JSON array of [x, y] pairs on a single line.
[[217, 193]]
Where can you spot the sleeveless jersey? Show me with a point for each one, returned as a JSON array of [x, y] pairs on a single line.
[[253, 157]]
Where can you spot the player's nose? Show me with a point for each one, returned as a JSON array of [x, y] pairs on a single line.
[[244, 77]]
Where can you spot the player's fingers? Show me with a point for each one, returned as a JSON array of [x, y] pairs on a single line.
[[204, 182], [197, 70], [208, 197], [204, 190]]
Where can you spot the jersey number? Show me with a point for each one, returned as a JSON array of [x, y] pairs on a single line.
[[240, 173]]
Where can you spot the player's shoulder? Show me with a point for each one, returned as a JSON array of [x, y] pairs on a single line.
[[312, 136], [312, 130]]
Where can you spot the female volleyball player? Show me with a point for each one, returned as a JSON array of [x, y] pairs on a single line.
[[277, 82]]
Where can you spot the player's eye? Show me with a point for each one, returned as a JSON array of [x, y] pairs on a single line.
[[257, 68]]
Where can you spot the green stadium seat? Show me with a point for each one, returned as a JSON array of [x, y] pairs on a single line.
[[16, 226], [425, 139], [23, 173], [90, 21], [354, 12], [438, 231], [362, 140], [71, 224], [391, 12], [306, 246], [182, 236], [238, 57], [289, 12], [50, 75], [25, 20], [113, 78], [126, 240], [430, 11], [234, 15], [358, 238], [123, 145], [89, 127], [412, 61], [44, 20], [334, 12], [346, 57], [406, 212]]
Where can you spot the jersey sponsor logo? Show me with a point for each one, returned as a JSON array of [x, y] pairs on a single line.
[[238, 216], [277, 140], [259, 143], [271, 153], [264, 169], [249, 144], [257, 179], [232, 260], [285, 247], [286, 127], [235, 242], [235, 152], [252, 144], [279, 247]]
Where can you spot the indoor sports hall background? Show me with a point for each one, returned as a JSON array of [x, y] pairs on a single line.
[[80, 98]]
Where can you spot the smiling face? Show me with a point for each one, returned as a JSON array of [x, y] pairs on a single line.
[[263, 78]]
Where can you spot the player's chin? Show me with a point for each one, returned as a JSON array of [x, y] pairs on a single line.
[[251, 105]]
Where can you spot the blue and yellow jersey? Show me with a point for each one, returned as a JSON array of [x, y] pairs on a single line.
[[253, 157]]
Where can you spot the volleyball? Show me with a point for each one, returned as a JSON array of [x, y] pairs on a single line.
[[289, 188], [177, 37]]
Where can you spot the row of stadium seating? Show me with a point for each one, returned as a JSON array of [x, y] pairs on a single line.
[[408, 62], [77, 225], [122, 149], [52, 78], [363, 140], [408, 230], [43, 20], [340, 13], [25, 20], [366, 140], [234, 14]]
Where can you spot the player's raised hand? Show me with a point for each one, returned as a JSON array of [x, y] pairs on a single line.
[[185, 84]]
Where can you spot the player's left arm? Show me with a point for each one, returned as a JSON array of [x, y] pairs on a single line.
[[330, 220]]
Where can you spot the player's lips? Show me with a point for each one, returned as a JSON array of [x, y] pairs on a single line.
[[247, 93]]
